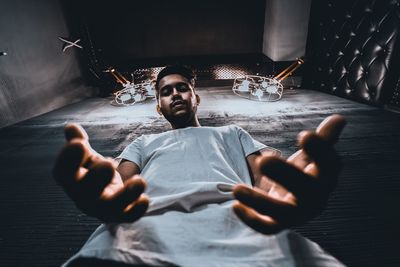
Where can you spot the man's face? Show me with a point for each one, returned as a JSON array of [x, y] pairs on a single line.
[[177, 99]]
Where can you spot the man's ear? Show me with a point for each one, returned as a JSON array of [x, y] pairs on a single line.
[[197, 100], [193, 82], [158, 109]]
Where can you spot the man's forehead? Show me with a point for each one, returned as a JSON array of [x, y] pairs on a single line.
[[172, 79]]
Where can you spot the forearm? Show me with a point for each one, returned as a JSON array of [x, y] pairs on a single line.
[[127, 169]]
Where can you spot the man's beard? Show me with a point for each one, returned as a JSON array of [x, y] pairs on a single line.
[[181, 121]]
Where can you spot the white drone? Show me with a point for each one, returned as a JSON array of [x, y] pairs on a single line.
[[131, 93], [259, 88]]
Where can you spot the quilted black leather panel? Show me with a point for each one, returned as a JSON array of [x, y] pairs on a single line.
[[353, 49], [395, 99]]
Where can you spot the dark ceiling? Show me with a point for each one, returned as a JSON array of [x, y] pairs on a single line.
[[126, 32]]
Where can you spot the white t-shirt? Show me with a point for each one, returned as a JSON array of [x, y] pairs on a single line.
[[190, 222]]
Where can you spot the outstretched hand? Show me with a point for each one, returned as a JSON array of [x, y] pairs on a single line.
[[300, 185], [93, 182]]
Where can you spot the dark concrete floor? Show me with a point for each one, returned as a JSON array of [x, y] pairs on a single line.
[[41, 227]]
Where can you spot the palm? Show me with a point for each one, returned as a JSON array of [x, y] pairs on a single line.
[[114, 186]]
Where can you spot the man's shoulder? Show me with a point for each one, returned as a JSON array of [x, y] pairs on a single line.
[[147, 137], [223, 129], [218, 130], [153, 136], [229, 127]]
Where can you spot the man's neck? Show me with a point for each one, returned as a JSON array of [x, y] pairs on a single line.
[[192, 123]]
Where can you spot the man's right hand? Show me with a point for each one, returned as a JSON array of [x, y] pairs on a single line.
[[94, 184]]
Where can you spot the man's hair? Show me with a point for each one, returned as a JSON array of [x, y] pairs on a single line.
[[176, 69]]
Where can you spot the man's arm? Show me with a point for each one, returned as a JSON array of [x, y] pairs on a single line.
[[127, 169]]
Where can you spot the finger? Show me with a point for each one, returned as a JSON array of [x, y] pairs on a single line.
[[119, 206], [320, 151], [74, 130], [312, 170], [136, 210], [260, 223], [131, 191], [287, 175], [264, 204], [299, 159], [66, 167], [75, 133], [130, 214], [114, 162], [92, 157], [94, 182], [330, 128], [327, 164]]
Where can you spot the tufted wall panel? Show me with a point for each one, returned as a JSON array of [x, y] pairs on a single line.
[[395, 98], [353, 49]]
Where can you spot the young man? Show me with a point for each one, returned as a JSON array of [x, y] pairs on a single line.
[[217, 196]]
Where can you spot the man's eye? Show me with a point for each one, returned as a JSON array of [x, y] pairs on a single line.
[[165, 91], [182, 87]]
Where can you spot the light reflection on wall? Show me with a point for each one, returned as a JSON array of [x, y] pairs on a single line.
[[228, 72]]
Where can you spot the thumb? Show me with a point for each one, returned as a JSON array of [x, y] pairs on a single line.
[[331, 128], [73, 130]]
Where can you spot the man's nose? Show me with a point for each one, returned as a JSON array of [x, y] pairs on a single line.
[[175, 92]]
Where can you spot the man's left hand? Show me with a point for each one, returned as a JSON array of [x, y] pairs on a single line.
[[303, 182]]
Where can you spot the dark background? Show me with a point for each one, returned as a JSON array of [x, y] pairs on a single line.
[[40, 226], [123, 32]]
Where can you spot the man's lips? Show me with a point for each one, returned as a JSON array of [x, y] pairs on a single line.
[[177, 103]]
